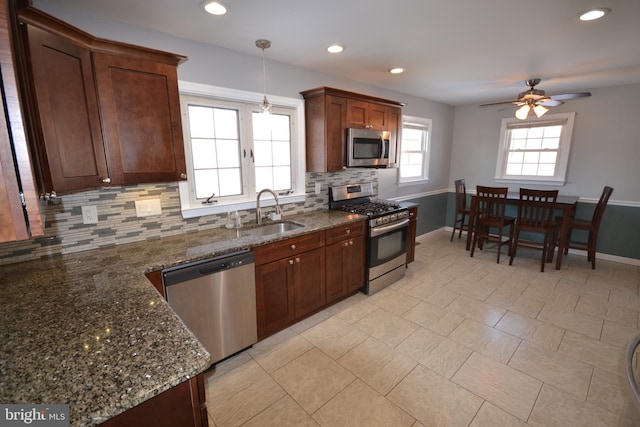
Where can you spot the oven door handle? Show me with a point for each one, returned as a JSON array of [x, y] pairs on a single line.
[[377, 231]]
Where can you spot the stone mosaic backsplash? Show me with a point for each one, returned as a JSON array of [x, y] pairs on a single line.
[[118, 224]]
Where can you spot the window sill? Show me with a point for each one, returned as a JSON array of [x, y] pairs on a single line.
[[414, 182], [554, 182], [194, 211]]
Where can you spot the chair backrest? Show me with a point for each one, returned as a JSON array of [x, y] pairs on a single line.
[[490, 201], [602, 203], [536, 207], [461, 195]]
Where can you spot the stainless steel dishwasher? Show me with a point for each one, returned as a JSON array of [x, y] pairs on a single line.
[[216, 300]]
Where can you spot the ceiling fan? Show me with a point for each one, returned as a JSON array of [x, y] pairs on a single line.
[[534, 101]]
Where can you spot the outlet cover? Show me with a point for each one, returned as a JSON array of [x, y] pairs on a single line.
[[149, 207], [89, 215], [318, 188]]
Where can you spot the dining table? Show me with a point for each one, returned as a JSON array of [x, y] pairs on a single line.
[[565, 203]]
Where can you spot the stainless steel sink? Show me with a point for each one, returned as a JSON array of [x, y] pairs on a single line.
[[272, 228]]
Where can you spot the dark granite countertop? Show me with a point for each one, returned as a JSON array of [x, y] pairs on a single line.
[[89, 329]]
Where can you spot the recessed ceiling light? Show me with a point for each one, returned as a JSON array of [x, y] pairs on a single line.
[[335, 48], [593, 14], [397, 70], [214, 7]]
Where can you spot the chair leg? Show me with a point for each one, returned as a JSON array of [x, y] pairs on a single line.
[[514, 246], [455, 221], [461, 225], [500, 232]]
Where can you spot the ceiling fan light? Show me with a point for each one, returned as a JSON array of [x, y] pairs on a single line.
[[523, 112], [593, 14], [540, 110]]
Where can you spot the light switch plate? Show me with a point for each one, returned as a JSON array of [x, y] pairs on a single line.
[[149, 207], [89, 215], [318, 188]]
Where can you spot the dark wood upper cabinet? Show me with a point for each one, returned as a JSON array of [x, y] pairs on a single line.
[[142, 126], [102, 112], [69, 139], [328, 114]]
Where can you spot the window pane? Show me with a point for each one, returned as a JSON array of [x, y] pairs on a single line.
[[529, 169], [228, 153], [281, 178], [551, 143], [262, 153], [204, 153], [531, 157], [206, 183], [272, 151], [200, 122], [411, 171], [514, 169], [534, 143], [226, 123], [552, 131], [536, 132], [230, 182], [517, 157], [548, 157], [546, 170], [264, 178]]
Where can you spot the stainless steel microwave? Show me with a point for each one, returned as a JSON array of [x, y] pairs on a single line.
[[368, 147]]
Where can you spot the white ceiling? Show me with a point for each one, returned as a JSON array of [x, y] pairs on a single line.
[[456, 51]]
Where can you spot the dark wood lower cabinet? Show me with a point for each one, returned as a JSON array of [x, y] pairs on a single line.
[[180, 406], [345, 260]]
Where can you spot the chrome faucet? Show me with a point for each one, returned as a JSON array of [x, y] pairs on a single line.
[[259, 211]]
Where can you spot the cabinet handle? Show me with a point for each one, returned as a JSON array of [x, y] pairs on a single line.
[[106, 180], [290, 262], [183, 176], [297, 259], [293, 246], [350, 242], [347, 231], [346, 244]]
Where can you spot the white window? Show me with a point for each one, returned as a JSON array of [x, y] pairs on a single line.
[[535, 151], [414, 150], [233, 151]]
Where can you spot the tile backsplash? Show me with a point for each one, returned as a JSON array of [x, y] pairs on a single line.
[[118, 224]]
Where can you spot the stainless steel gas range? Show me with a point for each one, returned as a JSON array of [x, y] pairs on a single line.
[[386, 235]]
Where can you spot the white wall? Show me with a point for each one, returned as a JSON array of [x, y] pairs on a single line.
[[605, 148]]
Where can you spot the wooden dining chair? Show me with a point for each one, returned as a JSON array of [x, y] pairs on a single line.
[[462, 211], [489, 212], [535, 215], [592, 227]]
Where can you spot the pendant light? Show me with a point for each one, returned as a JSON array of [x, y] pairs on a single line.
[[265, 106]]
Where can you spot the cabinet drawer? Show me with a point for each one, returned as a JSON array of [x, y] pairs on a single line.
[[345, 231], [288, 247]]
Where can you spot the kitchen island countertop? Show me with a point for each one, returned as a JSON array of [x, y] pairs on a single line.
[[89, 329]]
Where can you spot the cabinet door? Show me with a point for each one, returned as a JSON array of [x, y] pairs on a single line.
[[378, 117], [274, 296], [70, 136], [356, 263], [309, 281], [411, 234], [395, 135], [345, 267], [367, 115], [357, 113], [140, 105]]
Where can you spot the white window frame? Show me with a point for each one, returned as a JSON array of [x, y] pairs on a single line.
[[559, 178], [192, 208], [426, 152]]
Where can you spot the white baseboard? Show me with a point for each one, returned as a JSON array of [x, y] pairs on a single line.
[[608, 257]]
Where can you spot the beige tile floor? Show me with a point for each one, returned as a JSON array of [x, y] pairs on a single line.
[[459, 341]]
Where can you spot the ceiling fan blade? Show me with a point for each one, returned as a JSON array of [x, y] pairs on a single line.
[[550, 103], [500, 103], [566, 96]]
